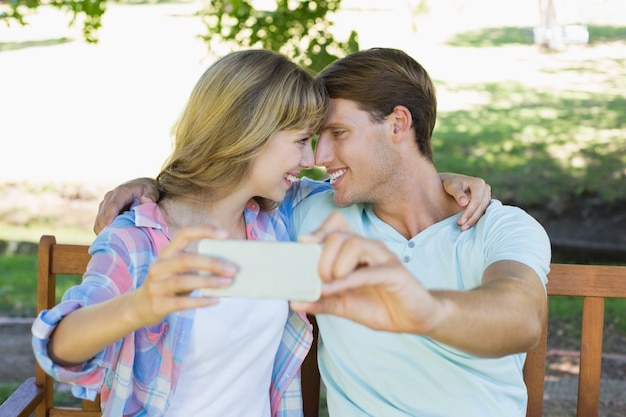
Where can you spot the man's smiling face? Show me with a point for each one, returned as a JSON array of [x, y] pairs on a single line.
[[355, 152]]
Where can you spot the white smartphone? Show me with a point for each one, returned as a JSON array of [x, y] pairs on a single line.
[[267, 269]]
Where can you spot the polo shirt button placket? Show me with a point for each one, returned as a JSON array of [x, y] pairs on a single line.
[[406, 258]]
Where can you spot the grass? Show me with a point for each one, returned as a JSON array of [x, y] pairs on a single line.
[[578, 148], [570, 137], [62, 398], [19, 285], [567, 312], [515, 35]]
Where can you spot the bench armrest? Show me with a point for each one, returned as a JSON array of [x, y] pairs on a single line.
[[23, 401]]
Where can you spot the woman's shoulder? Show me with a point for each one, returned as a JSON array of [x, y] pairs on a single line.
[[135, 230]]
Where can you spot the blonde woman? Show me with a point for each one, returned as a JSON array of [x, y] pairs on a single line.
[[132, 330]]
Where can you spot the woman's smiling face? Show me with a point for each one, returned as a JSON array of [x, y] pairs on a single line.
[[279, 165]]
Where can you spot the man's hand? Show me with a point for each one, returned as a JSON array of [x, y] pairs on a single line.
[[119, 200], [366, 283], [470, 192]]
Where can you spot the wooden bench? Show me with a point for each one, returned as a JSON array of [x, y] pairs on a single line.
[[592, 283]]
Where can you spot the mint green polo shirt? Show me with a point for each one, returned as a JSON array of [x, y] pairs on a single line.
[[375, 373]]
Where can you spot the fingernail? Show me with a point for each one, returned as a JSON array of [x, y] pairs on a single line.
[[229, 269], [224, 282]]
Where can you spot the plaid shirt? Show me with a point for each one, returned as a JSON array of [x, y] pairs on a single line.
[[137, 374]]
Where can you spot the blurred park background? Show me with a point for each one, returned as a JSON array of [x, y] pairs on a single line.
[[545, 126]]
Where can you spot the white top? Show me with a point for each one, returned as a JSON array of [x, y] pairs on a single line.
[[227, 368]]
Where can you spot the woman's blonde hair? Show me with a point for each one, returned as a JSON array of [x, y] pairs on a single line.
[[233, 110]]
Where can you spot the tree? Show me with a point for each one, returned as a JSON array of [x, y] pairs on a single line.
[[91, 10], [298, 28]]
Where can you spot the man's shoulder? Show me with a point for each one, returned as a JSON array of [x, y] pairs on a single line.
[[510, 233], [506, 222], [497, 209]]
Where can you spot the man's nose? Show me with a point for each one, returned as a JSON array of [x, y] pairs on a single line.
[[323, 151]]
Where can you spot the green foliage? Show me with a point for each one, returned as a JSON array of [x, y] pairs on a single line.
[[299, 29], [90, 11], [315, 173], [16, 8]]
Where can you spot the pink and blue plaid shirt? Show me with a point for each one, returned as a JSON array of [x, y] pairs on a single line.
[[137, 375]]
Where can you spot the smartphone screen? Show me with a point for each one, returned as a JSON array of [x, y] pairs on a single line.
[[267, 269]]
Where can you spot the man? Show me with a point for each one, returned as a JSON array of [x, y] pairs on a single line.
[[446, 339], [434, 321]]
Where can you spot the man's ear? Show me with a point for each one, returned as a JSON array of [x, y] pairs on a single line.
[[401, 122]]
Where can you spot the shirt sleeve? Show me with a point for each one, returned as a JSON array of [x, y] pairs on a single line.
[[88, 374], [106, 277], [515, 235], [299, 191]]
